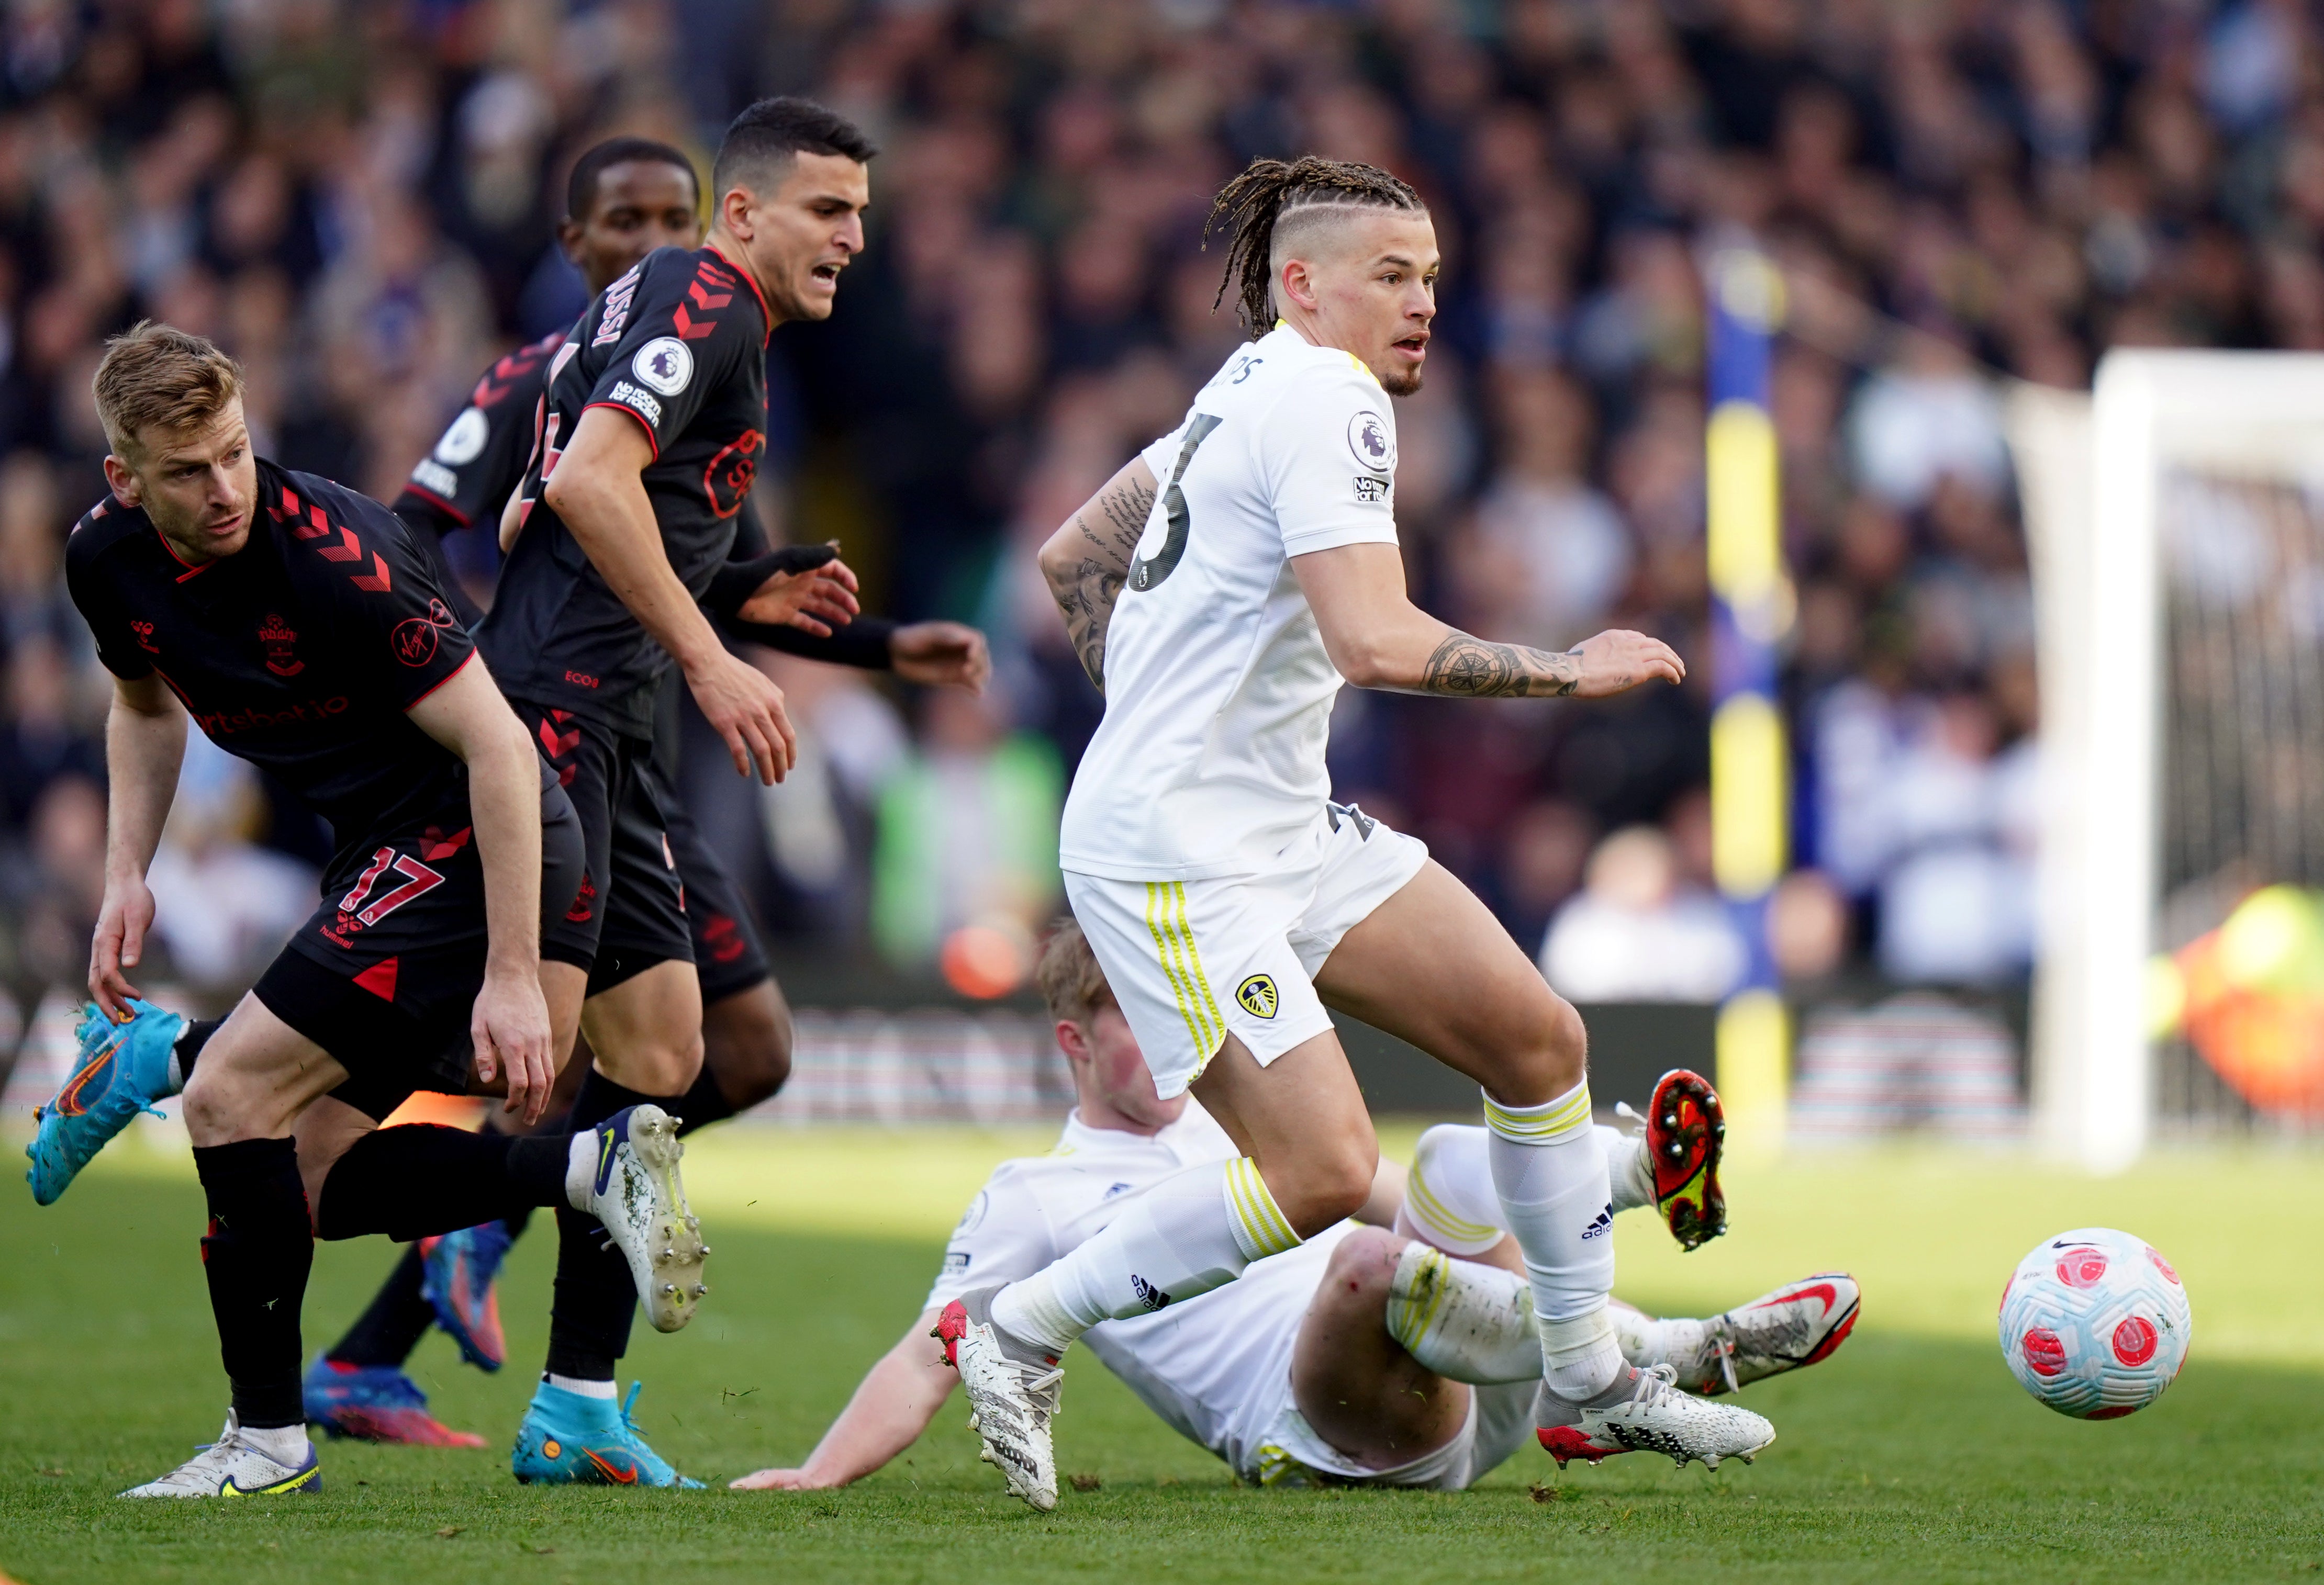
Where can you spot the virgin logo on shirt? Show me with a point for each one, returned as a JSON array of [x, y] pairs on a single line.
[[728, 478], [414, 638], [275, 634]]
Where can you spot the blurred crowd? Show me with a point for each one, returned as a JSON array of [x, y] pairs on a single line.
[[357, 200]]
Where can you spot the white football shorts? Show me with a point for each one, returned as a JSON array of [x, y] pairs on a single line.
[[1191, 961]]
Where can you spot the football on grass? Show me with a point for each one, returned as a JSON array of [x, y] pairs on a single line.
[[2095, 1323]]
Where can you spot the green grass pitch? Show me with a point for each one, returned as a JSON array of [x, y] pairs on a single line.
[[1911, 1455]]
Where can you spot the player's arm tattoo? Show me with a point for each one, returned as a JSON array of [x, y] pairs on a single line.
[[1086, 585], [1469, 667]]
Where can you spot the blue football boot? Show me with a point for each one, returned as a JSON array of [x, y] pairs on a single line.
[[123, 1070], [570, 1440], [375, 1403], [459, 1270]]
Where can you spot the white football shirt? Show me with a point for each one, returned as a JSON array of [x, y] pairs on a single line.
[[1218, 691], [1208, 1366]]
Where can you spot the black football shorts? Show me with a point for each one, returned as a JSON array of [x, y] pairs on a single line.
[[385, 974], [726, 951], [630, 912]]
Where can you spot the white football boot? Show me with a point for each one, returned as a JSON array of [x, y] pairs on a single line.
[[1645, 1412], [629, 1181], [1797, 1325], [1012, 1395], [232, 1467]]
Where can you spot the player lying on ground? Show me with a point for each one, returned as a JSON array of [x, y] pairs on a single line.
[[296, 623], [626, 198], [1364, 1355], [1220, 590]]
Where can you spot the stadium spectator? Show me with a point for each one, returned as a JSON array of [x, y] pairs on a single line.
[[356, 199]]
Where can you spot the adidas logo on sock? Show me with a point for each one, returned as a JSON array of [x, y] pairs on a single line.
[[1598, 1228], [1152, 1297]]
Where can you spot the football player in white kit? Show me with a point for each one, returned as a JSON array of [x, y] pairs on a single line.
[[1219, 589], [1407, 1357]]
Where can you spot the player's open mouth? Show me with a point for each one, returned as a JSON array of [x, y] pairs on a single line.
[[1417, 346], [828, 274]]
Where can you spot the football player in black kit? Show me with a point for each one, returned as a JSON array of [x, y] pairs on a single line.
[[296, 623], [650, 436], [626, 198]]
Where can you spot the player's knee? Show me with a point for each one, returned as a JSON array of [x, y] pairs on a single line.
[[1549, 1056], [1362, 1265], [1330, 1186], [216, 1108]]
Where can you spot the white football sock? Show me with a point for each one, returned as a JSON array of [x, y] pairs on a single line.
[[1629, 1172], [1191, 1232], [581, 1385], [285, 1444], [1549, 1170], [1448, 1198], [581, 1169], [1647, 1342], [1463, 1321]]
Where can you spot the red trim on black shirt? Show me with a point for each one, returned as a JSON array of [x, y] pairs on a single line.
[[640, 418], [191, 568], [766, 314], [439, 502], [439, 683]]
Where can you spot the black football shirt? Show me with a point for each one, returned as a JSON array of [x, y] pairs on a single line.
[[299, 653], [679, 345], [481, 454]]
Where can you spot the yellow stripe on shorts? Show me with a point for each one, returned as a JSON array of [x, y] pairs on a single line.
[[1539, 1130], [1202, 980], [1165, 930]]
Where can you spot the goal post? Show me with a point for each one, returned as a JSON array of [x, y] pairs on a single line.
[[2174, 692]]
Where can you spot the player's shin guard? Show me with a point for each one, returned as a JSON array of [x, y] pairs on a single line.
[[256, 1256], [1550, 1171], [1193, 1231], [596, 1297], [1463, 1321], [417, 1180]]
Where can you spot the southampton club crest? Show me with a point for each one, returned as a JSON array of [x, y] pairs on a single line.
[[276, 638], [1372, 441]]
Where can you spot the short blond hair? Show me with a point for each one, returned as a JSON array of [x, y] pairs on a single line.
[[1071, 982], [157, 377]]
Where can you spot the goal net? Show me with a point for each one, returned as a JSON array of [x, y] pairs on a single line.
[[2176, 522]]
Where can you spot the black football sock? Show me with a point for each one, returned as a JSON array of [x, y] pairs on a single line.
[[596, 1297], [418, 1179], [387, 1332], [703, 1103], [256, 1257], [187, 1048]]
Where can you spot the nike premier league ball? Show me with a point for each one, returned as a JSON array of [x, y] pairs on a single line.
[[2094, 1324]]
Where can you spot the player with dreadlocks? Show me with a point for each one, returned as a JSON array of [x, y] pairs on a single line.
[[1219, 589]]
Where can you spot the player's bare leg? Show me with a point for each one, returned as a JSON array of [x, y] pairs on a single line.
[[1355, 1384], [1434, 967]]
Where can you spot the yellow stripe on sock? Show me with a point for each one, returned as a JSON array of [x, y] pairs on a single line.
[[1410, 1317], [1156, 922], [1430, 1213], [1532, 1124], [1262, 1221]]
